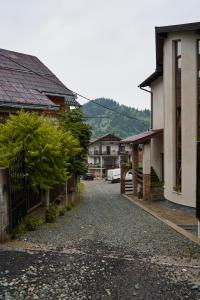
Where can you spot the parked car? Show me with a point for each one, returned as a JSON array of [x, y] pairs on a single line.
[[113, 175], [88, 176], [129, 175]]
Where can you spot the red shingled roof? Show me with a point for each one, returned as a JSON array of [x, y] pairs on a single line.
[[26, 81]]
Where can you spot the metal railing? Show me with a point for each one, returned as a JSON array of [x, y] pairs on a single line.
[[111, 152], [139, 176]]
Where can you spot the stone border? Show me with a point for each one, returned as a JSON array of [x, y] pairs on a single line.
[[177, 228]]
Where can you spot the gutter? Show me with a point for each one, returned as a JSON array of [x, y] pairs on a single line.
[[41, 107], [151, 93]]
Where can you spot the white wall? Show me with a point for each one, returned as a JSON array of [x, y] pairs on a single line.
[[128, 148], [158, 103], [114, 147], [156, 158], [94, 147], [90, 160], [147, 159], [189, 109]]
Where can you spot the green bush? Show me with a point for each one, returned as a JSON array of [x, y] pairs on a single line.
[[61, 212], [177, 188], [68, 208], [32, 223], [189, 251], [51, 213], [48, 148]]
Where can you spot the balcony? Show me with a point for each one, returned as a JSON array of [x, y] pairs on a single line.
[[95, 152], [104, 166], [98, 152], [127, 152], [95, 166]]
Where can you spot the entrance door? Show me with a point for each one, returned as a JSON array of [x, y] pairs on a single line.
[[108, 150]]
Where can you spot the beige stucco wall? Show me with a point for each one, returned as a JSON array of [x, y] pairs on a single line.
[[189, 103], [147, 158], [158, 102], [156, 155]]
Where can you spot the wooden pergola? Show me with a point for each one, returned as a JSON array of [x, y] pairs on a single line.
[[142, 179]]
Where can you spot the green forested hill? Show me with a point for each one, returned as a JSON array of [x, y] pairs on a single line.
[[112, 122]]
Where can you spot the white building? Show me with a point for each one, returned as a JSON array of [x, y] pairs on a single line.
[[106, 153], [170, 147]]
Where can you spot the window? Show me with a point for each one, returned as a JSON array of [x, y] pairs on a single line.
[[198, 89], [178, 61]]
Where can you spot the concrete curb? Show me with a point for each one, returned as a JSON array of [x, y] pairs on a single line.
[[177, 228]]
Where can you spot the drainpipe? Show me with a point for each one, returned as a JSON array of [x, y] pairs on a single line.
[[148, 91], [198, 229]]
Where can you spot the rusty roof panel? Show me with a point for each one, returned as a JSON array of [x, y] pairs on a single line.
[[20, 83]]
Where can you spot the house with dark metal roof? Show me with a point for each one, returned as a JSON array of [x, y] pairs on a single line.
[[171, 146], [26, 83], [106, 152]]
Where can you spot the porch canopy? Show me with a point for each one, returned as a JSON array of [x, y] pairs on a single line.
[[143, 137], [142, 178]]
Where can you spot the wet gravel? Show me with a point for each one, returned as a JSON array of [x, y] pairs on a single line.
[[104, 215], [102, 249]]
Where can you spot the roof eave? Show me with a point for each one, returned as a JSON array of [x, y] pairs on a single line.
[[143, 139], [151, 78], [29, 106]]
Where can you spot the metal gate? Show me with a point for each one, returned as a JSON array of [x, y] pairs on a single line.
[[17, 189], [21, 197]]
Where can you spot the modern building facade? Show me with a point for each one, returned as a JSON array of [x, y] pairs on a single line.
[[175, 114], [106, 153]]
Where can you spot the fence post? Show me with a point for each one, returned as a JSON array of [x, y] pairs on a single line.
[[4, 206], [135, 160], [122, 180], [46, 197]]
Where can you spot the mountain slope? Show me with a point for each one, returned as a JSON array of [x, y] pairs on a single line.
[[113, 122]]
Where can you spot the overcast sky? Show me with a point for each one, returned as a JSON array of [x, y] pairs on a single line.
[[98, 48]]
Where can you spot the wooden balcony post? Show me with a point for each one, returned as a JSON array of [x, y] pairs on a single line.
[[146, 172], [122, 179], [135, 160], [101, 163]]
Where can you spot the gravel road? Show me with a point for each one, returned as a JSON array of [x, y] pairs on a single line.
[[105, 248]]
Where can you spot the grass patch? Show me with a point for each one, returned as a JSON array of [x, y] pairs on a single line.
[[51, 213], [61, 212], [177, 188], [189, 251], [32, 223], [69, 207], [81, 187]]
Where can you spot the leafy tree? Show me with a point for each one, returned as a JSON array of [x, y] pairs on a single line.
[[73, 122], [48, 148]]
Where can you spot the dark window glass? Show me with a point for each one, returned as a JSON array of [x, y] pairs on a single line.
[[178, 60]]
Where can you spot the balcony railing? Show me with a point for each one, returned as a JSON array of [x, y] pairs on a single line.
[[111, 153], [127, 152], [104, 166]]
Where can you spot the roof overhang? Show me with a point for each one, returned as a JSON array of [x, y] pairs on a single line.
[[160, 34], [150, 79], [113, 138], [28, 106], [143, 137]]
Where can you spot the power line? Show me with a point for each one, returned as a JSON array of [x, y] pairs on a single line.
[[96, 117], [75, 93]]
